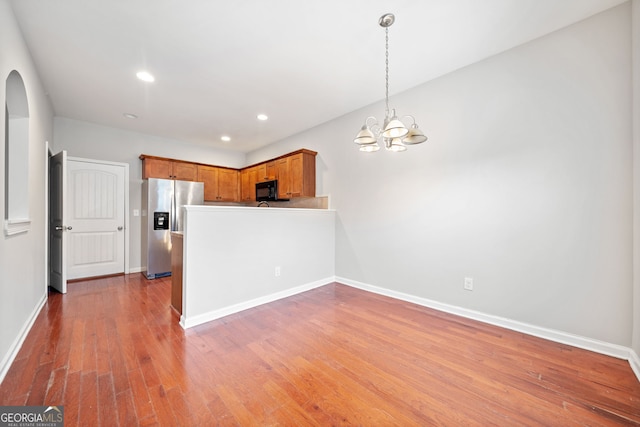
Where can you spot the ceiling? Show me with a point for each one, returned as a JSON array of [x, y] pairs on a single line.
[[217, 64]]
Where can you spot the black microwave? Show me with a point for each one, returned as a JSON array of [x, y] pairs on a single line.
[[267, 191]]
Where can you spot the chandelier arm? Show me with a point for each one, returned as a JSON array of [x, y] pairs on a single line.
[[375, 121], [411, 117]]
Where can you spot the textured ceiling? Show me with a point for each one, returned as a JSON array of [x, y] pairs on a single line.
[[219, 63]]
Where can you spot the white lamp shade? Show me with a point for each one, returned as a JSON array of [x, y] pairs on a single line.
[[394, 129], [415, 136], [365, 136]]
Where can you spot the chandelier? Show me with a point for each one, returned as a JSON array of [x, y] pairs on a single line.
[[394, 134]]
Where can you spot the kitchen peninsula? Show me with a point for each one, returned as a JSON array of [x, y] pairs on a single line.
[[235, 258]]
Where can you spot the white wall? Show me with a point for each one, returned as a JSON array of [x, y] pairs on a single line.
[[88, 140], [22, 257], [525, 185], [231, 253], [636, 160]]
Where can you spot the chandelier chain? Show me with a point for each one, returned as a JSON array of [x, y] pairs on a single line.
[[386, 31]]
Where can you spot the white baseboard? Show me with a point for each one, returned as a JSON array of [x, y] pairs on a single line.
[[597, 346], [135, 270], [634, 361], [17, 343], [189, 322]]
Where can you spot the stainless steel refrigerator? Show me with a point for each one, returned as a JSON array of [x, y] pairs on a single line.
[[162, 213]]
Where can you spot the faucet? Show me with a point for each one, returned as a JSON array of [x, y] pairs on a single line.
[[263, 202]]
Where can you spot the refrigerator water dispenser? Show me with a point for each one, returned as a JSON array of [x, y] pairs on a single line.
[[161, 220]]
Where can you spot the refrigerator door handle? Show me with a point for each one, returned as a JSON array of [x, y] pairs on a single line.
[[173, 207]]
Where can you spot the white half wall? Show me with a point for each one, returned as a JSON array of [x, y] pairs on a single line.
[[236, 257], [525, 185], [92, 141]]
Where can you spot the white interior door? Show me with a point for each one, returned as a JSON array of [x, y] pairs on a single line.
[[95, 213], [57, 226]]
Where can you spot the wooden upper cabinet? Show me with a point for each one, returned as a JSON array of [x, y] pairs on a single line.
[[295, 172], [266, 171], [156, 168], [271, 170], [296, 175], [261, 172], [248, 179], [153, 167], [228, 184], [184, 171], [209, 176], [284, 178], [220, 184]]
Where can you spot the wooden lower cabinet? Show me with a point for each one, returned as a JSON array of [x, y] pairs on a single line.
[[220, 184], [176, 271]]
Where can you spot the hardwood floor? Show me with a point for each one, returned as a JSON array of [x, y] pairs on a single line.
[[111, 351]]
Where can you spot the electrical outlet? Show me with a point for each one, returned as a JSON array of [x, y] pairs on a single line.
[[468, 283], [277, 272]]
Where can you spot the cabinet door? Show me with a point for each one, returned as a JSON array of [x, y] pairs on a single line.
[[227, 185], [184, 171], [209, 175], [156, 168], [248, 184], [271, 171], [296, 176], [261, 173], [284, 178]]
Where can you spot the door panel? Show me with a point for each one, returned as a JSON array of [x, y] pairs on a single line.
[[95, 211], [57, 234]]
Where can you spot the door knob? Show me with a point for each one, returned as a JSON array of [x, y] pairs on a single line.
[[59, 228], [69, 227], [120, 228]]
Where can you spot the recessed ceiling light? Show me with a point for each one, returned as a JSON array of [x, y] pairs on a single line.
[[225, 138], [145, 76], [130, 116], [262, 117]]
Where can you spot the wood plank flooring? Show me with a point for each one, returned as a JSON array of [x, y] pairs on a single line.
[[111, 351]]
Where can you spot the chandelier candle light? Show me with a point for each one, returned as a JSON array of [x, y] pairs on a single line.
[[394, 133]]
